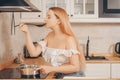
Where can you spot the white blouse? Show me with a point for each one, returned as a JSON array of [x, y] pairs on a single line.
[[55, 56]]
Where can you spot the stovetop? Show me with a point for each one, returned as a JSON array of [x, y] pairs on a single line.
[[10, 73], [14, 73]]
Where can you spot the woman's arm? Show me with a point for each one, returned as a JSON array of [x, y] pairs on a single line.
[[34, 51], [74, 64]]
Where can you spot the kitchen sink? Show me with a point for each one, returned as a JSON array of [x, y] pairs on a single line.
[[95, 58]]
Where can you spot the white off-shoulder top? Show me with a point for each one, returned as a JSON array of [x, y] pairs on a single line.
[[55, 56]]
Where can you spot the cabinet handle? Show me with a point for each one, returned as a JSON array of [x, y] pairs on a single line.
[[38, 15], [71, 15]]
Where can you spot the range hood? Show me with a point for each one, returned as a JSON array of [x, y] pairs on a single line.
[[17, 6]]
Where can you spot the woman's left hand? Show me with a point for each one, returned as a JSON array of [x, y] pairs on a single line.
[[46, 69]]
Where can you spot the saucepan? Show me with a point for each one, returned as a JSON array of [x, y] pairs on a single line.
[[29, 71]]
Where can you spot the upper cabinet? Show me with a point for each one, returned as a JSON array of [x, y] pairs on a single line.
[[79, 11], [84, 9], [34, 16], [76, 9], [65, 4]]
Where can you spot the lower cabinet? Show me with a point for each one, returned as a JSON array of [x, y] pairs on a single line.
[[115, 70], [99, 70]]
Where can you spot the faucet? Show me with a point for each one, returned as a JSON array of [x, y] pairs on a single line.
[[87, 50]]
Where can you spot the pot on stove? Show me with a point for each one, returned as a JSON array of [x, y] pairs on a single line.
[[29, 71]]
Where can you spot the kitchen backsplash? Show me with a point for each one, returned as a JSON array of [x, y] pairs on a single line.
[[102, 37]]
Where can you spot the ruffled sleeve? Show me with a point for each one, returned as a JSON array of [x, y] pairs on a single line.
[[68, 53], [43, 45], [62, 56]]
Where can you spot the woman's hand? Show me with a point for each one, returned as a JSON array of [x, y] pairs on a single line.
[[24, 27], [46, 69]]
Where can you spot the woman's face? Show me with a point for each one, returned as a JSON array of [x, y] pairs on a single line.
[[51, 20]]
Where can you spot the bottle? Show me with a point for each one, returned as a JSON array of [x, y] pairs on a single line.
[[20, 60]]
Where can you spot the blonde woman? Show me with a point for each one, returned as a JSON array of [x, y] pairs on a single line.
[[60, 47]]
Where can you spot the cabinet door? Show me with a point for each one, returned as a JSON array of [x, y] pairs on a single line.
[[98, 70], [115, 70], [76, 9], [84, 9], [33, 16], [58, 3]]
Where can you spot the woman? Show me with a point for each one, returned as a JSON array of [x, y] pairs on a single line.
[[60, 47]]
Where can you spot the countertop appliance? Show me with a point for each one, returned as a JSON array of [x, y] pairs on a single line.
[[117, 48]]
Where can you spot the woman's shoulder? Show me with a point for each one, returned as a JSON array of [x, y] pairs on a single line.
[[70, 42], [70, 39]]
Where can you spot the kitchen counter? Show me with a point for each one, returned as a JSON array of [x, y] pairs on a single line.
[[88, 78], [12, 71], [4, 65], [40, 61], [109, 59]]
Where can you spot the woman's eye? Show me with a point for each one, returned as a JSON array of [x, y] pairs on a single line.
[[48, 17]]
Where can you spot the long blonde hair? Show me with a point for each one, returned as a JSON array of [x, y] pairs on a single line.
[[66, 28]]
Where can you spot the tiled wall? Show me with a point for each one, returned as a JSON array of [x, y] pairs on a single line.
[[102, 37]]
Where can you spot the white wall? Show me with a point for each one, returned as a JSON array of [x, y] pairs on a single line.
[[102, 37], [5, 39]]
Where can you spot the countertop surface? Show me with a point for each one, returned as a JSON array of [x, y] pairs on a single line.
[[13, 71], [13, 68], [110, 58]]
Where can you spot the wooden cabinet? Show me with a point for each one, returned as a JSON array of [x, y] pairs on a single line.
[[101, 70], [76, 9], [115, 70]]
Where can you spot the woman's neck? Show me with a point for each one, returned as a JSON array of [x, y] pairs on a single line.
[[57, 31]]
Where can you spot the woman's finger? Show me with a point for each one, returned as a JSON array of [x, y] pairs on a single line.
[[37, 68], [42, 71], [21, 24]]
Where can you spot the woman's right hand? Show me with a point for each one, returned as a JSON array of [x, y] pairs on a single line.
[[23, 27]]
